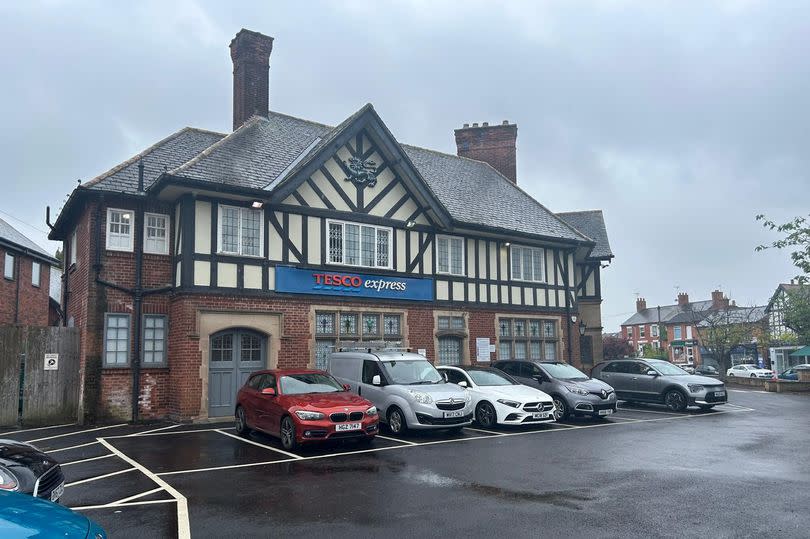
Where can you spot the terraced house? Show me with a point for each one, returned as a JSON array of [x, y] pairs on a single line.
[[210, 255]]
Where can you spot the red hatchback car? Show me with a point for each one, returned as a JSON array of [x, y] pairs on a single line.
[[301, 406]]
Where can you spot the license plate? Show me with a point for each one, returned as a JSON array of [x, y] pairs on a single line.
[[719, 393], [539, 415], [347, 426], [605, 412], [457, 413], [57, 492]]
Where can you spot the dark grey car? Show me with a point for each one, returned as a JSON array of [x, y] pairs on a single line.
[[574, 393], [655, 380]]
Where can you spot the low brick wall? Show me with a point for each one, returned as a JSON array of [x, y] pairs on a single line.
[[756, 382], [787, 386]]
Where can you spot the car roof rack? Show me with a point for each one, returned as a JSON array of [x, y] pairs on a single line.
[[373, 346]]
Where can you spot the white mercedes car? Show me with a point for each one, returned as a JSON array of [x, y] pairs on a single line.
[[499, 399], [749, 371]]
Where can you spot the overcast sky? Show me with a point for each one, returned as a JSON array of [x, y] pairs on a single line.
[[681, 120]]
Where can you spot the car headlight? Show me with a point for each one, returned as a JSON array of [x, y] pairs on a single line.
[[372, 412], [577, 390], [696, 388], [420, 397], [513, 404], [8, 481], [309, 416]]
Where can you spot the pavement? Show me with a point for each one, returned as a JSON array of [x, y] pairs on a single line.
[[739, 470]]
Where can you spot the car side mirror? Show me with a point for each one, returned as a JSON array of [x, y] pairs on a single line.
[[539, 377], [376, 380], [462, 383], [347, 387], [652, 372], [269, 391]]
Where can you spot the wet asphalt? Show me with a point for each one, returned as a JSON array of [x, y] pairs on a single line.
[[739, 471]]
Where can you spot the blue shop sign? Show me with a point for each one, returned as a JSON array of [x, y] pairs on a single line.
[[339, 283]]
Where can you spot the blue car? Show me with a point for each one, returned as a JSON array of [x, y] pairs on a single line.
[[793, 372], [23, 516]]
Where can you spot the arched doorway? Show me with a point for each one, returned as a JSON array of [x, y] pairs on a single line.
[[233, 355]]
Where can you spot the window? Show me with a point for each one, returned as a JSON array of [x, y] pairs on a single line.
[[119, 230], [35, 273], [676, 332], [449, 351], [116, 340], [641, 332], [527, 264], [454, 376], [359, 245], [8, 267], [451, 322], [72, 248], [155, 235], [654, 330], [370, 370], [690, 353], [450, 255], [527, 339], [629, 332], [240, 231], [154, 339], [334, 329]]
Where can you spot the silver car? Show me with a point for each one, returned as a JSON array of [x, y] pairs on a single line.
[[405, 387], [655, 380]]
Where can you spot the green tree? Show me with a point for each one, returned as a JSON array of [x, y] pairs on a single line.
[[797, 312], [651, 352], [721, 331], [796, 235]]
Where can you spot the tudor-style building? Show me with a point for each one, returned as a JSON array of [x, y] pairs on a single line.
[[210, 255]]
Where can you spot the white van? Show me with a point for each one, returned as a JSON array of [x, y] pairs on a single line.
[[405, 387]]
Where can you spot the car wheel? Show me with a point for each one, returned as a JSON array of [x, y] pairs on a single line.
[[560, 409], [288, 434], [396, 421], [485, 415], [240, 422], [675, 400]]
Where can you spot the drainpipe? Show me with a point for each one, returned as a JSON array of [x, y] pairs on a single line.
[[16, 270], [568, 310]]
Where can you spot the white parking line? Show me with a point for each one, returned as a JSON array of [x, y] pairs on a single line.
[[96, 478], [647, 411], [395, 439], [134, 497], [63, 464], [183, 524], [748, 391], [625, 418], [144, 433], [106, 506], [436, 442], [482, 430], [38, 428], [71, 447], [258, 444], [76, 432]]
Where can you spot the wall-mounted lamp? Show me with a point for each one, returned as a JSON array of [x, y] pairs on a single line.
[[410, 224], [582, 328], [257, 204], [507, 244]]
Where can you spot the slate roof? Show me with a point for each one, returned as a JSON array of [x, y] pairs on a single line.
[[670, 313], [13, 236], [256, 154], [740, 315], [592, 224]]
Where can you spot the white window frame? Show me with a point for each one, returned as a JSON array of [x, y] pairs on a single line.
[[73, 245], [38, 281], [130, 237], [641, 332], [166, 228], [376, 228], [239, 252], [654, 330], [8, 266], [542, 270], [677, 333], [450, 240]]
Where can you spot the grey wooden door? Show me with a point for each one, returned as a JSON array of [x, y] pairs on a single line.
[[233, 355]]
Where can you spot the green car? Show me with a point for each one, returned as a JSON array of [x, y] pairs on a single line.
[[24, 516]]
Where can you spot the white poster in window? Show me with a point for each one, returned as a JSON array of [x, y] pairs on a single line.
[[482, 348], [51, 362]]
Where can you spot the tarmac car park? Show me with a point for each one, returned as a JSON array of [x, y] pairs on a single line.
[[203, 480]]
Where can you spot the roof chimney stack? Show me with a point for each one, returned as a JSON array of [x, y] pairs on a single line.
[[250, 53], [718, 301], [493, 144], [683, 298], [641, 304]]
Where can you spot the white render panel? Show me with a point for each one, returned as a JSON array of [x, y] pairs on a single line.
[[402, 237], [541, 298], [528, 293], [570, 269], [504, 263], [428, 258], [560, 298], [329, 192], [253, 277], [337, 174], [493, 260], [202, 273], [469, 263], [275, 240], [442, 290], [271, 278], [202, 227], [493, 293], [405, 211], [504, 294], [177, 275], [458, 291], [550, 266], [310, 196], [314, 240], [482, 293], [178, 233], [471, 288], [226, 275], [516, 296], [413, 239], [295, 234], [590, 284], [291, 201], [388, 200], [482, 260]]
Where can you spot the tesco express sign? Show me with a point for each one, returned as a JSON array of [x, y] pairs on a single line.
[[303, 281]]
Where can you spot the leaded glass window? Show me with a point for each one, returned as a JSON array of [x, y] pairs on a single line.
[[392, 324], [325, 323], [527, 263], [240, 231], [527, 339], [348, 324], [359, 245], [449, 351]]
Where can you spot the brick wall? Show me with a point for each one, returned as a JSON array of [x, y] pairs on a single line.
[[493, 144], [33, 302]]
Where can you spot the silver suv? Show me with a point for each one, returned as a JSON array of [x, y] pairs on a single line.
[[655, 380], [405, 387]]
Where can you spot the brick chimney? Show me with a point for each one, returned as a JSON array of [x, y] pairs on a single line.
[[683, 298], [718, 301], [641, 304], [493, 144], [250, 52]]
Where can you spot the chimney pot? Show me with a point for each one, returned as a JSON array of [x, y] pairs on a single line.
[[466, 126], [250, 53], [683, 298], [485, 124], [475, 125], [641, 304], [495, 145], [505, 122]]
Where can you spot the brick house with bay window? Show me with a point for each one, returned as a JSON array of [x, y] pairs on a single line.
[[210, 255]]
